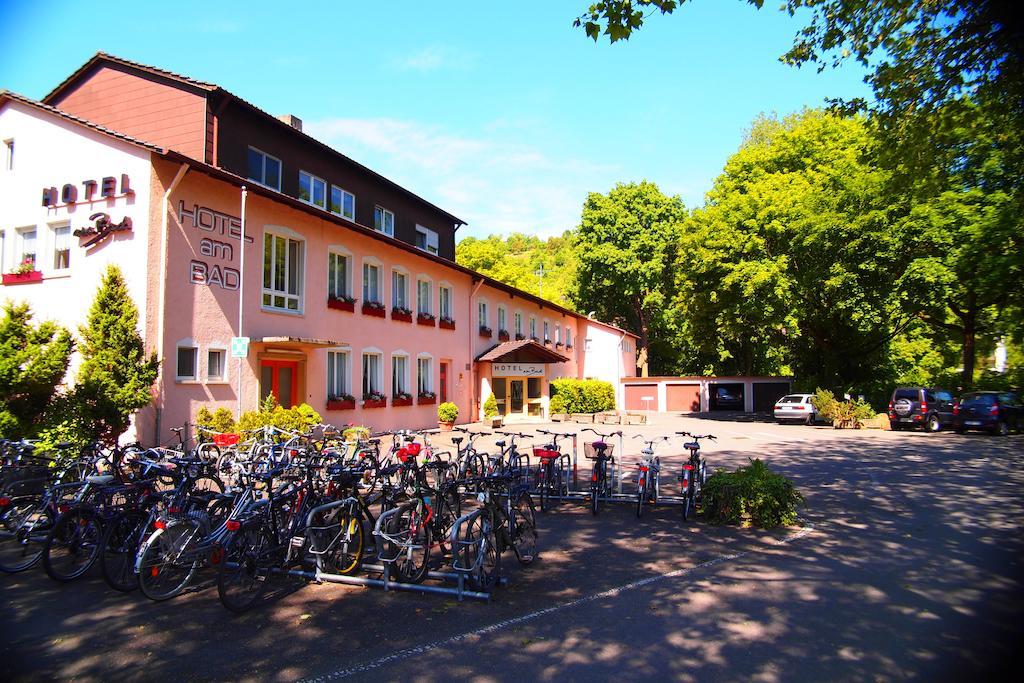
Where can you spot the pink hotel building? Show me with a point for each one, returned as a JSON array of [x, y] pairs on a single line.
[[345, 283]]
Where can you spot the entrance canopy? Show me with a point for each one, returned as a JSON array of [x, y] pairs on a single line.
[[523, 351], [298, 343]]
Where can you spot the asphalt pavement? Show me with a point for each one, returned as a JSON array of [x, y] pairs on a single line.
[[906, 565]]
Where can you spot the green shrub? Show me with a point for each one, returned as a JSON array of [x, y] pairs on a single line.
[[299, 418], [447, 412], [582, 395], [557, 405], [840, 413], [752, 494], [355, 433], [221, 420], [491, 407]]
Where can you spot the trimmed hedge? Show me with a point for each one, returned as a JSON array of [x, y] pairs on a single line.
[[751, 494], [570, 395]]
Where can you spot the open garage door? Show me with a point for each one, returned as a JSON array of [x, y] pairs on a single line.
[[767, 393], [725, 395]]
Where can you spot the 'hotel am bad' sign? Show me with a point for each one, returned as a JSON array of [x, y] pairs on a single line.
[[517, 369]]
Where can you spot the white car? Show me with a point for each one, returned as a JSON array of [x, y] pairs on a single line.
[[795, 408]]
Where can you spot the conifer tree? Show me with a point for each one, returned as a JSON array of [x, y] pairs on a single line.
[[116, 376], [33, 360]]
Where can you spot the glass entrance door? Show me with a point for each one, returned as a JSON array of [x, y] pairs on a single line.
[[515, 403]]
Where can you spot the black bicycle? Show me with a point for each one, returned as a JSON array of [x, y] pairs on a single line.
[[693, 475], [600, 453]]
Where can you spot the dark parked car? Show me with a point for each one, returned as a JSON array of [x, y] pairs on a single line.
[[728, 398], [994, 411], [912, 407]]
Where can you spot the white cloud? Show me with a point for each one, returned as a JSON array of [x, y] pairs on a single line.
[[496, 184], [434, 57]]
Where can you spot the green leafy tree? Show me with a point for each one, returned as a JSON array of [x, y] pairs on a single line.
[[33, 360], [626, 249], [516, 260], [116, 376]]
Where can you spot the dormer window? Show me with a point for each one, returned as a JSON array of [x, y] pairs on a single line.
[[384, 221], [426, 239], [312, 190], [343, 203], [264, 169]]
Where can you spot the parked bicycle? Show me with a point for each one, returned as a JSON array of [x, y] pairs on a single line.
[[648, 475], [553, 471], [600, 454], [693, 475]]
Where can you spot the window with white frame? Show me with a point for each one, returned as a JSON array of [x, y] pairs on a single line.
[[481, 313], [264, 169], [188, 363], [3, 248], [383, 221], [558, 333], [371, 374], [502, 319], [444, 308], [26, 251], [424, 375], [399, 374], [518, 318], [426, 239], [343, 203], [424, 297], [568, 337], [216, 365], [399, 290], [283, 258], [371, 283], [339, 270], [9, 156], [337, 375], [61, 247], [547, 332], [312, 190], [533, 327]]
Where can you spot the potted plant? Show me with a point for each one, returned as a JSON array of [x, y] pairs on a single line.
[[426, 398], [425, 319], [23, 272], [519, 337], [374, 399], [446, 323], [491, 411], [503, 335], [401, 399], [341, 402], [547, 342], [403, 314], [374, 308], [447, 413], [342, 303], [485, 331]]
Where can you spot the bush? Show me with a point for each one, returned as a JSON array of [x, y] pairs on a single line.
[[491, 407], [557, 405], [447, 412], [752, 494], [841, 413], [582, 395], [297, 419], [355, 433], [221, 420]]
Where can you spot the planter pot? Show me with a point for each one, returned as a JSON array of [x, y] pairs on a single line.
[[520, 337], [445, 426], [583, 417], [398, 402], [21, 278], [503, 336], [495, 422], [559, 345], [341, 405], [559, 417], [341, 305], [403, 317], [373, 310], [382, 403], [446, 324], [420, 401], [485, 333], [427, 321]]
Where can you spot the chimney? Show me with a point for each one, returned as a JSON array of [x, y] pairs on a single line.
[[292, 120]]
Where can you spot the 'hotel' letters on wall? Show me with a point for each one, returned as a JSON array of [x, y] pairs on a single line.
[[222, 225]]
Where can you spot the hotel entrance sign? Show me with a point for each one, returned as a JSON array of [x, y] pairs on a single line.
[[517, 369], [239, 347]]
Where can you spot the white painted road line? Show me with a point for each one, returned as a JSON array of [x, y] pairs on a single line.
[[501, 625]]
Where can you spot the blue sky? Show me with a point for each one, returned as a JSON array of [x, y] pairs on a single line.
[[501, 113]]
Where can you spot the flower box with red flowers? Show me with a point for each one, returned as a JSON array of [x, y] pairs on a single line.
[[343, 402], [20, 278], [486, 332], [503, 335], [520, 337], [425, 319], [375, 400], [342, 303], [399, 400], [374, 308], [547, 342], [426, 398], [446, 324], [402, 314]]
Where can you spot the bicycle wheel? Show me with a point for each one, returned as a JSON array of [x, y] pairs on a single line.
[[120, 545], [72, 546], [246, 568], [485, 575], [594, 503], [25, 521], [169, 560], [524, 529], [641, 495], [344, 531], [414, 548], [545, 482], [688, 501]]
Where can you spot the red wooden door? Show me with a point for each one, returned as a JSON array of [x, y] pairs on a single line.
[[443, 388], [280, 378]]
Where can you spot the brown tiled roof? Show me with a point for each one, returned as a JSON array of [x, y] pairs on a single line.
[[7, 94], [544, 354]]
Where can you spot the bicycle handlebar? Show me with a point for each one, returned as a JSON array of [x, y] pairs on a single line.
[[588, 429]]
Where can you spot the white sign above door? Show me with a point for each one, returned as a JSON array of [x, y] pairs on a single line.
[[517, 369]]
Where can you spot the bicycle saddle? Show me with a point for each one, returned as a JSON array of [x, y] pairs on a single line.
[[500, 444], [99, 479], [457, 440], [693, 446]]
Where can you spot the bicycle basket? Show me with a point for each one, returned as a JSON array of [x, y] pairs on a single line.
[[546, 453], [225, 440], [590, 448]]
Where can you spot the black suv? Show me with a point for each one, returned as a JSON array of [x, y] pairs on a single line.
[[920, 407]]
